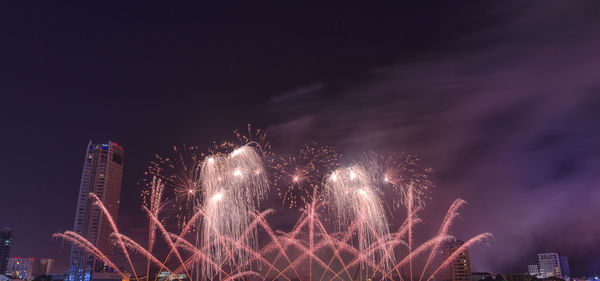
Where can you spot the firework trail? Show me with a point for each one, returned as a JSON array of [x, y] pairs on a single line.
[[111, 221], [223, 219], [397, 172], [155, 198], [409, 210], [179, 238], [263, 223], [234, 185], [293, 234], [81, 242], [139, 249], [241, 174], [417, 251], [352, 197], [242, 275], [166, 236], [448, 219], [198, 254], [296, 177], [256, 137], [462, 248]]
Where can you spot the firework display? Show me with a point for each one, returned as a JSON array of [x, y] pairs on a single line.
[[224, 235]]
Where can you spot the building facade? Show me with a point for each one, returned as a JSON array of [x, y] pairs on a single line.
[[102, 174], [460, 268], [553, 265], [22, 268], [6, 237]]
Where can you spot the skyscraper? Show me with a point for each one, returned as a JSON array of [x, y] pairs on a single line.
[[460, 268], [6, 236], [102, 173]]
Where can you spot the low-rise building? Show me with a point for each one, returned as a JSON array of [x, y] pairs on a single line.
[[516, 277], [22, 268], [477, 276]]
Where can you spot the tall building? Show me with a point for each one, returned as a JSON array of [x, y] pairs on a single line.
[[6, 236], [553, 265], [22, 268], [102, 173], [460, 268]]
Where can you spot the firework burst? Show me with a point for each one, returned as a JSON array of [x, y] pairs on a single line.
[[179, 173], [398, 172], [296, 177], [254, 137]]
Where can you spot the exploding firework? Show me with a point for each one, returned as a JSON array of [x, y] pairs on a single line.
[[240, 173], [296, 177], [179, 172], [255, 137], [398, 172]]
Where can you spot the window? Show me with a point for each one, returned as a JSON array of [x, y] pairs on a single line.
[[117, 158]]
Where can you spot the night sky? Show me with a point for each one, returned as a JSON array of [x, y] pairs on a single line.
[[500, 98]]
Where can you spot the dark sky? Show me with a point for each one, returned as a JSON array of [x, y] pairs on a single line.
[[500, 98]]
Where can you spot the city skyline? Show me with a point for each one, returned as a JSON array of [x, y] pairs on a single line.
[[498, 99]]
